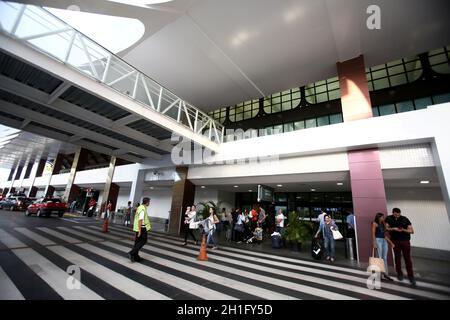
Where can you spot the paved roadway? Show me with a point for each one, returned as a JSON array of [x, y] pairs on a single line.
[[35, 254]]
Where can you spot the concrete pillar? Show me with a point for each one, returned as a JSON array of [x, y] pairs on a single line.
[[57, 166], [5, 191], [137, 187], [11, 173], [40, 167], [49, 191], [13, 179], [79, 162], [18, 172], [183, 193], [365, 169], [33, 190], [111, 190]]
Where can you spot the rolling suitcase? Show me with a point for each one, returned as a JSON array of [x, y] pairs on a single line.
[[276, 240]]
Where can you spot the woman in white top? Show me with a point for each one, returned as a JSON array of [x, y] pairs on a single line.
[[213, 221], [190, 224], [239, 227]]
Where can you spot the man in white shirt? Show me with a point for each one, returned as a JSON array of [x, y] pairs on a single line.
[[279, 221]]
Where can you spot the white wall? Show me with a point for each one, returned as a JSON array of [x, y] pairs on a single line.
[[160, 203], [226, 198], [426, 210], [205, 195], [123, 198]]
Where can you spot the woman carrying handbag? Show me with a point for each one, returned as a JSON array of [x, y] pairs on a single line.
[[380, 243], [327, 229]]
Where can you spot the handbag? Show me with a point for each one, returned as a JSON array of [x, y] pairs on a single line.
[[239, 227], [336, 234], [376, 263]]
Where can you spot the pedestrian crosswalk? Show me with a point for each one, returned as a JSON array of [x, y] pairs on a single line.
[[43, 255]]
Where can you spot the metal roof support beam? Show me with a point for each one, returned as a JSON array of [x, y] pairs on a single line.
[[68, 108], [79, 79], [58, 92], [23, 112]]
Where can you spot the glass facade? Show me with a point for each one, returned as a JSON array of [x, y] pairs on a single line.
[[323, 91], [282, 101], [388, 75], [440, 60], [394, 73], [410, 105]]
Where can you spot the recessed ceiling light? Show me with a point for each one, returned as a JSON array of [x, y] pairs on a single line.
[[313, 189], [279, 185], [250, 190], [151, 188], [203, 187], [236, 186], [424, 181], [340, 184]]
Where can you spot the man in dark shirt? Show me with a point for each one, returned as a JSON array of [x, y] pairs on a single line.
[[400, 230]]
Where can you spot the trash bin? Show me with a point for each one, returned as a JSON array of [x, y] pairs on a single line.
[[349, 248]]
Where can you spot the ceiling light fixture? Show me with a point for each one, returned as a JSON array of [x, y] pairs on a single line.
[[313, 189], [250, 190], [236, 186], [340, 184], [279, 185], [424, 181], [203, 187]]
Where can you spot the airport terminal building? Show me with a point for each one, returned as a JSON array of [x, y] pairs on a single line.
[[319, 102]]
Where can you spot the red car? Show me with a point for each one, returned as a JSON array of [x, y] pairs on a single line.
[[47, 206]]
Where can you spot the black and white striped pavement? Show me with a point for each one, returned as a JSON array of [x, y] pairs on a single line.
[[34, 260]]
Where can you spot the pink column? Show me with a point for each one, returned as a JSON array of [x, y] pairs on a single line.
[[365, 170]]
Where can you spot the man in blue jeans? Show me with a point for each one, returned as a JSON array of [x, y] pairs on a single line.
[[328, 240]]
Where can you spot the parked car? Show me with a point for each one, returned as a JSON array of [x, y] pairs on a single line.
[[47, 206], [15, 203]]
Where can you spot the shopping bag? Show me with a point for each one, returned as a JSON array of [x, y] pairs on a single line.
[[376, 264], [336, 234]]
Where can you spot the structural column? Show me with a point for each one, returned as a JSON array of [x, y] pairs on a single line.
[[111, 190], [37, 173], [49, 190], [137, 186], [79, 162], [183, 193], [365, 169]]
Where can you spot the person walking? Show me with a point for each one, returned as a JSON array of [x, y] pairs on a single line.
[[380, 242], [327, 233], [190, 224], [213, 221], [141, 226], [279, 220], [400, 230], [350, 219], [128, 210]]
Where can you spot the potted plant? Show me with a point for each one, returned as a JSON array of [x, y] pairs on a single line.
[[297, 231]]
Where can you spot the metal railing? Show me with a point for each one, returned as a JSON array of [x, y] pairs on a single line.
[[45, 32]]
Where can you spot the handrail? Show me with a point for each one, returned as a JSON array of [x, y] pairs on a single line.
[[73, 48]]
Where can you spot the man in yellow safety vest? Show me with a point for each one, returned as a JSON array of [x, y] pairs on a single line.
[[141, 226]]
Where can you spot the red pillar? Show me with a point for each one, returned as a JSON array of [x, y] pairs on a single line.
[[365, 169]]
